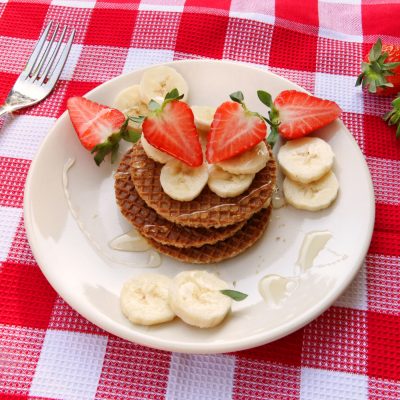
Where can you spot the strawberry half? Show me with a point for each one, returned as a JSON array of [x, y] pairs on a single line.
[[170, 128], [296, 114], [234, 130], [99, 128], [381, 69]]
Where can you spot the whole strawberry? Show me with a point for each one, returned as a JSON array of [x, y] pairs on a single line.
[[381, 69]]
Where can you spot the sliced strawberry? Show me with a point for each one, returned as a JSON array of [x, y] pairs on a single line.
[[93, 122], [170, 128], [233, 131], [301, 114], [296, 114]]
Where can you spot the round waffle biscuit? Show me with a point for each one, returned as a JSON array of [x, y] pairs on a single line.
[[228, 248], [151, 225], [206, 210]]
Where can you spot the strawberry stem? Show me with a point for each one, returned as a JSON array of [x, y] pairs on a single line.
[[273, 121], [111, 144], [374, 73], [393, 116]]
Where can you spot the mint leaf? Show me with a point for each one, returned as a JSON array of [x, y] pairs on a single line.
[[234, 294]]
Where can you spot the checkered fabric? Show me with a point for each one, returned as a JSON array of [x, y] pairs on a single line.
[[351, 352]]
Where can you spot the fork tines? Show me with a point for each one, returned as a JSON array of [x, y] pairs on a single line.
[[47, 61]]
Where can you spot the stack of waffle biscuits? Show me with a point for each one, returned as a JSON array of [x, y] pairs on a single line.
[[205, 230]]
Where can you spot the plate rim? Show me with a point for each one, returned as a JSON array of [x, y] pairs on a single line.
[[255, 340]]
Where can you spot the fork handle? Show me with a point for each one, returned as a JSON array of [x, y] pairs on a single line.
[[4, 110]]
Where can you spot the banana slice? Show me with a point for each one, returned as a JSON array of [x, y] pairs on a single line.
[[249, 162], [145, 299], [312, 196], [130, 102], [153, 153], [203, 116], [158, 81], [195, 297], [305, 160], [182, 182], [225, 184]]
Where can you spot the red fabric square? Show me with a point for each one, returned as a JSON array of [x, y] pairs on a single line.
[[27, 298], [24, 20], [7, 81], [220, 4], [100, 63], [337, 341], [306, 13], [202, 34], [293, 50], [20, 351], [385, 243], [63, 317], [381, 19], [73, 17], [130, 370], [156, 30], [380, 139], [383, 346], [387, 217], [383, 277], [77, 88], [283, 351], [338, 57], [255, 379], [20, 251], [111, 27], [13, 172], [240, 44]]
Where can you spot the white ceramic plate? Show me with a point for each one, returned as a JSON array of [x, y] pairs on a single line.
[[88, 274]]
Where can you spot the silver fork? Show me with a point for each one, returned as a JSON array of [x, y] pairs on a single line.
[[39, 77]]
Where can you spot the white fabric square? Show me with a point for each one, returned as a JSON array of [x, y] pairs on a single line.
[[341, 89], [265, 18], [206, 377], [140, 58], [319, 384], [10, 218], [69, 366], [72, 60], [160, 7], [21, 135], [343, 18], [74, 3], [355, 296]]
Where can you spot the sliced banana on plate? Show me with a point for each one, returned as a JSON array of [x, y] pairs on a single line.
[[203, 116], [195, 297], [153, 153], [130, 102], [225, 184], [305, 160], [158, 81], [182, 182], [312, 196], [249, 162], [145, 299]]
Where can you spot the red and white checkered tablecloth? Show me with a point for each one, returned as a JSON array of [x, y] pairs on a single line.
[[351, 352]]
